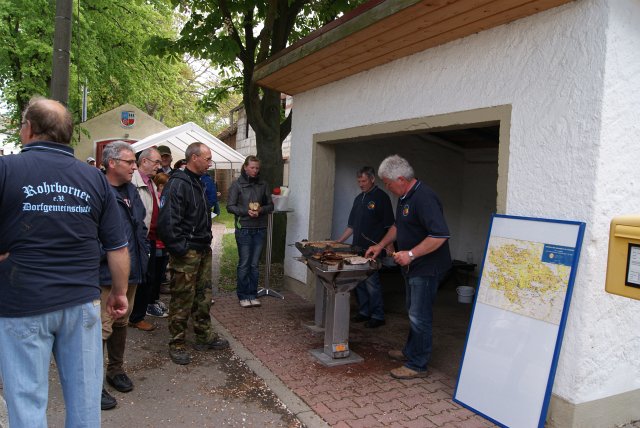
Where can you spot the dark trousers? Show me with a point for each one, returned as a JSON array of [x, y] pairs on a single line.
[[149, 291]]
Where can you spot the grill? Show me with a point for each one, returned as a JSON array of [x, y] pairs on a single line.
[[337, 273]]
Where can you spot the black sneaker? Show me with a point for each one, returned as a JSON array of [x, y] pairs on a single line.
[[179, 355], [360, 318], [120, 382], [107, 402], [216, 344], [154, 310], [374, 323]]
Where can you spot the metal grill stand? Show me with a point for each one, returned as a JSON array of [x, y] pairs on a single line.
[[338, 283], [266, 291]]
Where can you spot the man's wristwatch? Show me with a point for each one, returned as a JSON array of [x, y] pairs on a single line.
[[411, 256]]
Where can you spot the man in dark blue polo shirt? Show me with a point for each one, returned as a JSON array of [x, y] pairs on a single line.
[[421, 234], [370, 218], [55, 210]]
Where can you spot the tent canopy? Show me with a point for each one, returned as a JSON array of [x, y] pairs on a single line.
[[179, 138]]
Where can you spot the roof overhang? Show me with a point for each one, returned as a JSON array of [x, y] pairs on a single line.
[[381, 31], [222, 156]]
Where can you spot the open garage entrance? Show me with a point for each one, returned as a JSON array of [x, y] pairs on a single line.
[[461, 162]]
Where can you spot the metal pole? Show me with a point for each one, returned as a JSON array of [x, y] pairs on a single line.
[[61, 51], [84, 102], [266, 291]]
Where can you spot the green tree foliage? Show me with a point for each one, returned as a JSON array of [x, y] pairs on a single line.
[[237, 35], [110, 54]]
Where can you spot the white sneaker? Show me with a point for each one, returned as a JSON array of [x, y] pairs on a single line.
[[162, 306], [245, 303], [255, 302]]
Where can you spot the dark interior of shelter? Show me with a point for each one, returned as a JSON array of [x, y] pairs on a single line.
[[450, 317], [461, 165]]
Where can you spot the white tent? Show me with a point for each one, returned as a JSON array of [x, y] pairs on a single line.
[[179, 138]]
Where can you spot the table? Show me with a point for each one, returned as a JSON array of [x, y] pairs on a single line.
[[266, 291]]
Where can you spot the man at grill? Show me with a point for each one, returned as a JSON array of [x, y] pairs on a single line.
[[421, 234], [370, 218]]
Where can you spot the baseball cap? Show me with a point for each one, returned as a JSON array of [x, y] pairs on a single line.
[[90, 159], [164, 150]]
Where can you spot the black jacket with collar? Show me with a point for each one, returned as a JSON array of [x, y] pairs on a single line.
[[245, 190], [132, 213], [184, 221]]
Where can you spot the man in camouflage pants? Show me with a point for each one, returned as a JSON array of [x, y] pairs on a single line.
[[184, 225]]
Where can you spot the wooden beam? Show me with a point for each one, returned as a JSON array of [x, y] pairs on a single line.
[[389, 31]]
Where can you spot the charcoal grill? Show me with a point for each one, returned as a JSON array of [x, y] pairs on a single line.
[[338, 280]]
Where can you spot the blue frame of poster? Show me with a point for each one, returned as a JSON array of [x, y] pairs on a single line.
[[518, 319]]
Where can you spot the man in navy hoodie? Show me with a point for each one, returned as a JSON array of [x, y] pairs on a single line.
[[119, 162], [55, 210]]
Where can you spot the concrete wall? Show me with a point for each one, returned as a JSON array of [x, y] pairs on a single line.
[[568, 150], [602, 332], [108, 126], [246, 137]]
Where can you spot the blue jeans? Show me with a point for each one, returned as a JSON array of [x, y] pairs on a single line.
[[26, 344], [420, 294], [369, 294], [250, 243]]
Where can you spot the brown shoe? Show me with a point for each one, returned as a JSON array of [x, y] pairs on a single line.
[[406, 373], [143, 325], [397, 355]]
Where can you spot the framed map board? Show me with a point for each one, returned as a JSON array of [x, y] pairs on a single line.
[[518, 319]]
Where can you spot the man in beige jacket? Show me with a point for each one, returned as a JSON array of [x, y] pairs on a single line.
[[146, 295]]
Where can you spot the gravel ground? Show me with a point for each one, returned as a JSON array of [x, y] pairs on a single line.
[[216, 390]]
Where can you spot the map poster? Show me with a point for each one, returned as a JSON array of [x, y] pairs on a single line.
[[514, 338]]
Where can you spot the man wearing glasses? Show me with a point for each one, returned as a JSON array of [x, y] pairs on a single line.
[[119, 162], [55, 211], [148, 166], [184, 225]]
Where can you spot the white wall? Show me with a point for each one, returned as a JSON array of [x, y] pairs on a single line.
[[108, 126], [603, 332], [568, 128]]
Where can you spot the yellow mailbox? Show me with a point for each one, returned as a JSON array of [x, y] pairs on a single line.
[[623, 265]]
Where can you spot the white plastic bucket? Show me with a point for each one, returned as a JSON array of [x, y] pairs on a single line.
[[465, 294], [280, 203]]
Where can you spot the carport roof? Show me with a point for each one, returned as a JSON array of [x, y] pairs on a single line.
[[381, 31], [223, 156]]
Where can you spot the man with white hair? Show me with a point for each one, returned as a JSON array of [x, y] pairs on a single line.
[[145, 302], [421, 233]]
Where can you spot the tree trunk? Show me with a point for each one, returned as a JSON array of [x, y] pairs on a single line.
[[269, 146]]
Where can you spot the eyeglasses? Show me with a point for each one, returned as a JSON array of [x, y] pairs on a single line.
[[129, 162], [157, 162], [209, 159]]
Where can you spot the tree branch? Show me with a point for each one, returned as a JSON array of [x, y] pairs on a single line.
[[267, 31], [233, 31], [285, 126]]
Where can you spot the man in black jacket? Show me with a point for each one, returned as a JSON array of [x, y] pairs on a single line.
[[184, 225], [119, 162]]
